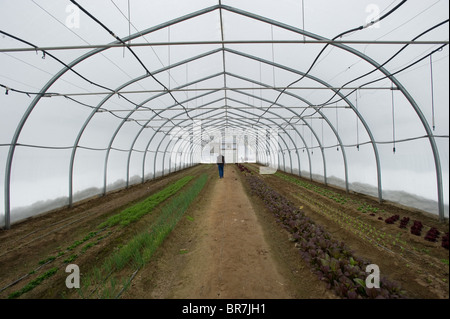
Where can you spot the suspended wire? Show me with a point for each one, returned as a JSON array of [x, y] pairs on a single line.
[[129, 30], [22, 83], [371, 82], [410, 139], [44, 71], [273, 57], [337, 126], [128, 119], [388, 6], [133, 53], [111, 33], [445, 57], [399, 51], [89, 81], [329, 102], [409, 20], [81, 38], [65, 65], [7, 89], [54, 57], [303, 134], [393, 117], [303, 18], [439, 49], [127, 150], [432, 93], [69, 68], [359, 61], [99, 110], [168, 52], [326, 56], [382, 65], [78, 147], [413, 59], [357, 122], [288, 123], [129, 22], [355, 79], [326, 46], [63, 24], [260, 81], [312, 140], [143, 36], [406, 22], [323, 140]]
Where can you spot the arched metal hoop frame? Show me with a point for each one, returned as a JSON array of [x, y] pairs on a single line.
[[238, 122]]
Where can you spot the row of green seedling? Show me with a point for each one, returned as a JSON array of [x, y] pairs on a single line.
[[124, 218], [102, 283], [364, 230], [130, 214], [135, 212], [70, 259], [332, 260], [371, 234], [338, 198]]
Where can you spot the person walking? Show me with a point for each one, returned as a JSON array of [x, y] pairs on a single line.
[[220, 164]]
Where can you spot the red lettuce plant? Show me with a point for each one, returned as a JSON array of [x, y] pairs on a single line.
[[432, 235], [416, 228], [404, 222], [392, 219], [445, 241], [332, 261], [243, 169]]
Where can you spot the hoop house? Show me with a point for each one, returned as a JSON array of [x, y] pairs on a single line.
[[100, 95]]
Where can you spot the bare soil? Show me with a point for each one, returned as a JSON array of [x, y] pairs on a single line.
[[31, 241], [420, 267], [227, 246], [231, 249]]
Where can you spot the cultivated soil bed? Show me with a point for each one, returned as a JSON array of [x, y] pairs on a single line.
[[419, 266], [226, 245]]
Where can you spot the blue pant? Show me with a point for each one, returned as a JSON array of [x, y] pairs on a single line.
[[220, 170]]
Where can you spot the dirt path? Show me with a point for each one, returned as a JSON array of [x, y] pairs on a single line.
[[233, 260], [228, 250]]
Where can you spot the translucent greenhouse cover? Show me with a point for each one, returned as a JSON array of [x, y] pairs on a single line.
[[100, 95]]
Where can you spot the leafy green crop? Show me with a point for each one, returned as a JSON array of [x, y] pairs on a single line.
[[138, 251], [142, 246], [31, 285], [70, 258], [44, 261], [332, 260], [79, 242], [338, 198], [135, 212]]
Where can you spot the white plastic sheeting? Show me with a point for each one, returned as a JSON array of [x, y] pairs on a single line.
[[99, 95]]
